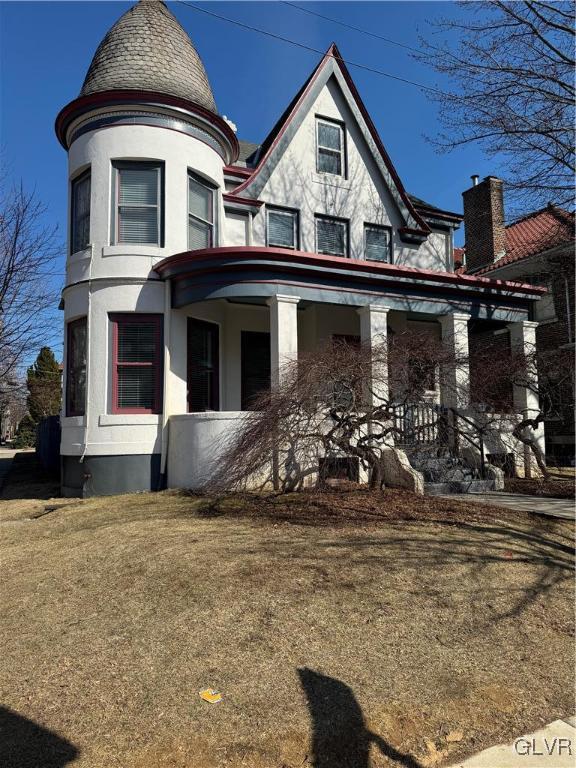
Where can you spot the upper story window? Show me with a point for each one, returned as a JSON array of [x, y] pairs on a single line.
[[282, 228], [137, 363], [330, 147], [331, 236], [377, 243], [80, 213], [201, 207], [76, 367], [138, 203]]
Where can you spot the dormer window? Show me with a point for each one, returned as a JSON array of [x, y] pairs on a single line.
[[330, 147], [200, 213]]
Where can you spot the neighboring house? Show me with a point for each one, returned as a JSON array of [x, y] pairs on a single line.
[[537, 249], [198, 264]]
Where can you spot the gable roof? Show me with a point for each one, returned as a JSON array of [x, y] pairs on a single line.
[[532, 234], [272, 147]]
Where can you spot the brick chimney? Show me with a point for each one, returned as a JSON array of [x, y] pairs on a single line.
[[484, 222]]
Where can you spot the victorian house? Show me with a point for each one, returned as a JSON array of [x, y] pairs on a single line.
[[199, 263]]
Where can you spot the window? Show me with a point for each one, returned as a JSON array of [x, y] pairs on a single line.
[[331, 236], [330, 147], [282, 228], [203, 366], [377, 243], [137, 363], [200, 214], [138, 203], [76, 367], [255, 368], [80, 214]]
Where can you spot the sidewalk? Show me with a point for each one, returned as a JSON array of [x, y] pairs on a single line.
[[563, 508], [554, 746]]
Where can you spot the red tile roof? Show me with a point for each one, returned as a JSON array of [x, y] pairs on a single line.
[[537, 232]]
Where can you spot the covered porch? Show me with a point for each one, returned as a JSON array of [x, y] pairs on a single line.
[[238, 316]]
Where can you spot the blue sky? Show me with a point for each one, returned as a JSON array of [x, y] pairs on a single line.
[[46, 48]]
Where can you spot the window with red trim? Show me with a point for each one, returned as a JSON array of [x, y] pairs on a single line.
[[137, 363], [76, 367]]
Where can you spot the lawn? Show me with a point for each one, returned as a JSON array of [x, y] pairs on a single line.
[[348, 631]]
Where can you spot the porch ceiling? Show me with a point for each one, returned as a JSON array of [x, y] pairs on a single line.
[[254, 272]]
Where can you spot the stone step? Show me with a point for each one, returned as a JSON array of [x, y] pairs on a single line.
[[470, 486]]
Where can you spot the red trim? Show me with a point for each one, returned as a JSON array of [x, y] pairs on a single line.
[[287, 122], [85, 103], [236, 170], [157, 366], [242, 200], [295, 258], [334, 53], [69, 357], [436, 213]]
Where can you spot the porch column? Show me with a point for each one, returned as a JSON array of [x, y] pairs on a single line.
[[455, 377], [374, 331], [283, 335], [523, 341]]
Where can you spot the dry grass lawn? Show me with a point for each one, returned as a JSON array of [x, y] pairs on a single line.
[[350, 632]]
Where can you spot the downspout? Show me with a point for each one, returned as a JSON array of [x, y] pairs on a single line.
[[568, 319], [88, 367], [166, 399]]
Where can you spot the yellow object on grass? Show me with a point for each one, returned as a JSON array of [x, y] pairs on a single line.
[[210, 695]]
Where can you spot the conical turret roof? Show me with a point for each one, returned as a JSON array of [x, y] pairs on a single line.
[[148, 50]]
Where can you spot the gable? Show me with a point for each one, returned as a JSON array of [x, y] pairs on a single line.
[[330, 87]]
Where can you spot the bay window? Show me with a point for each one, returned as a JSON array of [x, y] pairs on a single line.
[[200, 213], [137, 363], [80, 213], [76, 340], [331, 236], [138, 203]]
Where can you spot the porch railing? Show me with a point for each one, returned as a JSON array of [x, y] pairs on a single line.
[[417, 423]]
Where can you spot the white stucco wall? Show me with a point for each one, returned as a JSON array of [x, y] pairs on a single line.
[[179, 153], [362, 197]]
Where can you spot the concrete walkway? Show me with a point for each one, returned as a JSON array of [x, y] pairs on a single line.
[[554, 746], [564, 508]]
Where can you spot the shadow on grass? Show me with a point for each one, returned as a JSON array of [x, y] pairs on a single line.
[[467, 536], [25, 744], [340, 738], [26, 479]]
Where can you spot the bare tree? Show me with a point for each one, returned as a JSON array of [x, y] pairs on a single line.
[[510, 66], [336, 402], [28, 264], [345, 401]]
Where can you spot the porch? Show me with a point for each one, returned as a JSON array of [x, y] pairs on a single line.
[[237, 317]]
